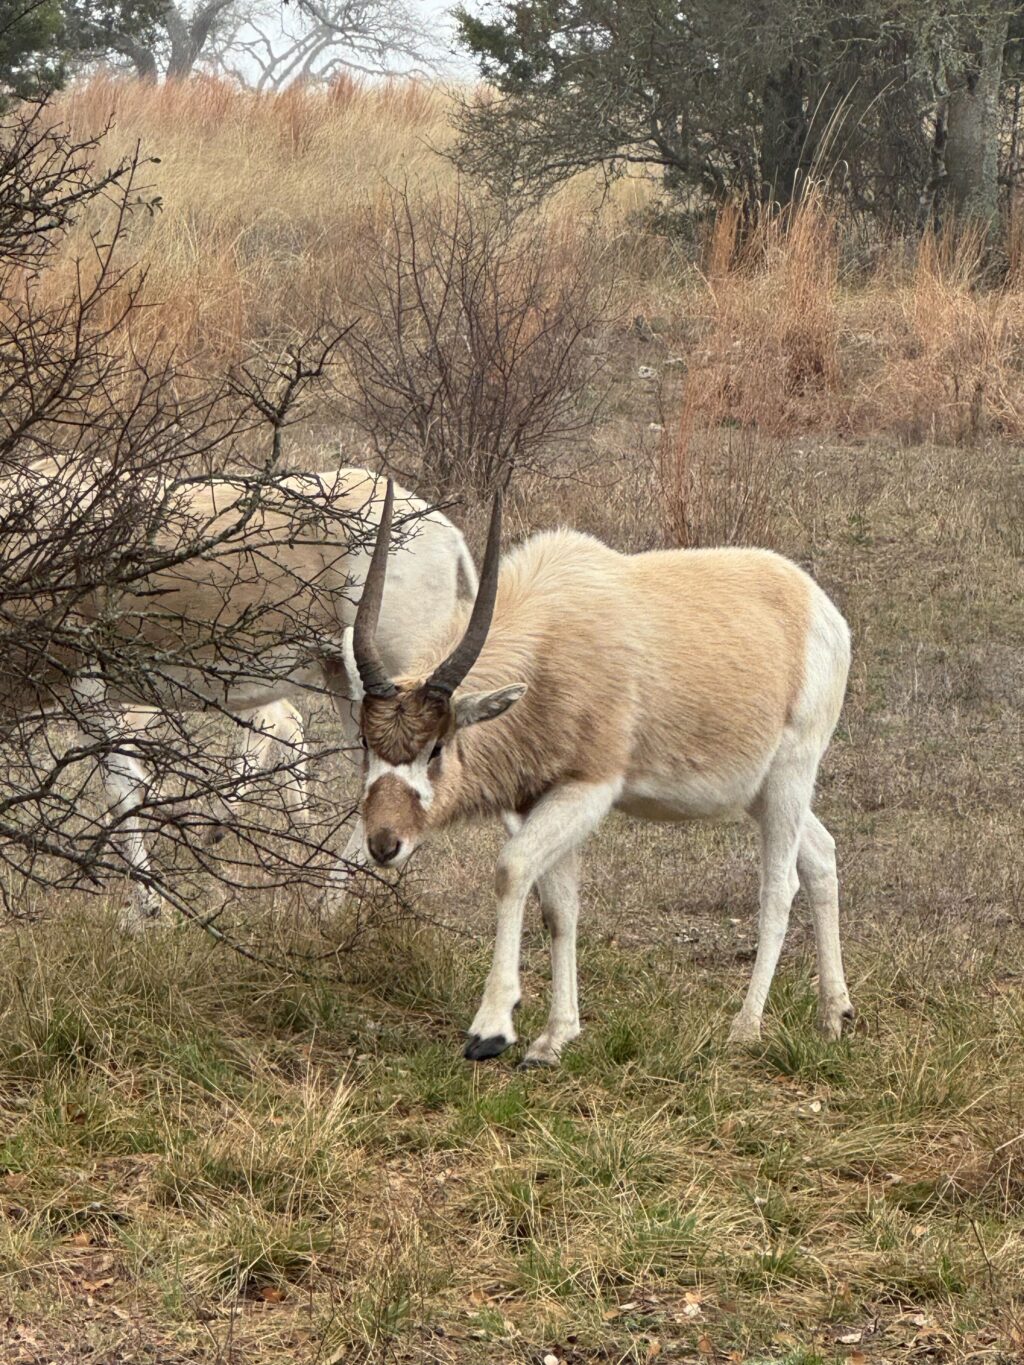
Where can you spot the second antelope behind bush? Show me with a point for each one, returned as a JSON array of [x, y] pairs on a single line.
[[673, 685]]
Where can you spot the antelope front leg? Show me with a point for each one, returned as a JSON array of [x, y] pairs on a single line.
[[557, 825], [126, 782], [559, 905], [340, 681]]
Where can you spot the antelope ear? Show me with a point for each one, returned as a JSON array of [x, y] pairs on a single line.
[[480, 706]]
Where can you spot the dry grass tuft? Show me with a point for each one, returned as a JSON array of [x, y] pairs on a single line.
[[770, 357], [951, 346]]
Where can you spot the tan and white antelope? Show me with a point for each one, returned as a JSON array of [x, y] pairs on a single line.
[[672, 685], [252, 613]]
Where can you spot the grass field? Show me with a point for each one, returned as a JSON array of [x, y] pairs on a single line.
[[202, 1159]]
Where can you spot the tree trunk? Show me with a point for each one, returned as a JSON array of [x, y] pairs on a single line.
[[143, 60], [784, 143], [183, 50], [188, 38], [972, 129]]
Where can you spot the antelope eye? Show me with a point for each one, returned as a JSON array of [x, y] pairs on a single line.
[[436, 751]]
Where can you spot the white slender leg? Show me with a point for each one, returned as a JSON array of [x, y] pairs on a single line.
[[782, 808], [262, 727], [555, 827], [559, 903], [285, 726], [126, 784], [339, 881], [355, 849], [816, 865]]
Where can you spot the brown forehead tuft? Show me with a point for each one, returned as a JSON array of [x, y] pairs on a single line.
[[398, 727]]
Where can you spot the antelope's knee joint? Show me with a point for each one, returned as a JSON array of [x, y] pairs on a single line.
[[509, 874]]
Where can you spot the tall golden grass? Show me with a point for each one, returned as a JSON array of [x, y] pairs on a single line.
[[264, 201], [927, 349], [262, 197]]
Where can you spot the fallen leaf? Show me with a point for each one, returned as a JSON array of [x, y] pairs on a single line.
[[653, 1349], [857, 1358], [81, 1239], [90, 1286], [691, 1297], [705, 1346], [618, 1311], [270, 1294]]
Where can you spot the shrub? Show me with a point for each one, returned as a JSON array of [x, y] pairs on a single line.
[[475, 355]]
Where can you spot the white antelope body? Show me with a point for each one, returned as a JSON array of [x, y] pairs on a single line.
[[671, 685], [426, 582], [288, 567]]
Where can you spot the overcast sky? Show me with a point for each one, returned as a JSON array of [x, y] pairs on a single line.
[[439, 12]]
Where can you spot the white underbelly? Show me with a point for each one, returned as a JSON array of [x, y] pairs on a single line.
[[689, 796]]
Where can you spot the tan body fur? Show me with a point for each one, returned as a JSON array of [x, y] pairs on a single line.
[[671, 685]]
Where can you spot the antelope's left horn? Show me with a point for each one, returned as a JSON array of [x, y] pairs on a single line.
[[374, 676], [448, 675]]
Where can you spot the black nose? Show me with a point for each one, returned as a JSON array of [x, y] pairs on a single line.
[[384, 846]]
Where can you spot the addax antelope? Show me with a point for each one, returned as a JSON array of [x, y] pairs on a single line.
[[247, 605], [427, 580], [672, 685]]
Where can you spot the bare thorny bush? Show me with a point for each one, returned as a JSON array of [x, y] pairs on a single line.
[[477, 354], [102, 449]]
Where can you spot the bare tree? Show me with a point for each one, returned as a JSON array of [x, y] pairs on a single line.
[[160, 37], [478, 347], [263, 43]]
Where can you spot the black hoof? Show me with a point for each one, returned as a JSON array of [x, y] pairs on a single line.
[[535, 1064], [481, 1049]]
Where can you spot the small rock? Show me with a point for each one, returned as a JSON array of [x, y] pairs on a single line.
[[551, 1360], [646, 372]]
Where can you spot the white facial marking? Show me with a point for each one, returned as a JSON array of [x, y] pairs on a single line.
[[413, 774]]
